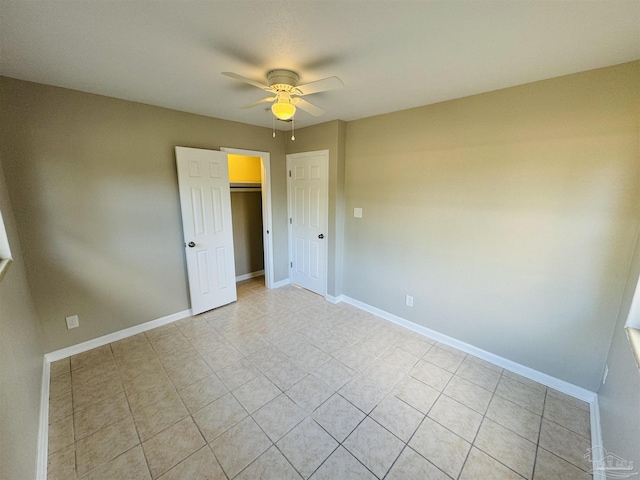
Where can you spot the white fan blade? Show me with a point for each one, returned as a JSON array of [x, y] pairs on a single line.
[[246, 80], [302, 104], [329, 83], [260, 102]]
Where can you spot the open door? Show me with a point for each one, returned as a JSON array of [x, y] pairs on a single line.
[[205, 202]]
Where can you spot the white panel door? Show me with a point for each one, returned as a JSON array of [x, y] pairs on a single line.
[[308, 198], [205, 201]]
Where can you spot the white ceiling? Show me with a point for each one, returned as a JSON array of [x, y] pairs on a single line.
[[391, 54]]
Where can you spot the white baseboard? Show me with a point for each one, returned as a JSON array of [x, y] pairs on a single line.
[[580, 393], [535, 375], [249, 275], [43, 426], [597, 450], [333, 299], [282, 283], [115, 336]]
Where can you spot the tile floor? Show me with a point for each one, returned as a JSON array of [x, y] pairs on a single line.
[[284, 385]]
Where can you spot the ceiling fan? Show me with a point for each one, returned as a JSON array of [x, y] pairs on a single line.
[[283, 84]]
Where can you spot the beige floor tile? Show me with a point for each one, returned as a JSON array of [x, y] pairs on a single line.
[[62, 464], [241, 445], [565, 414], [60, 407], [222, 356], [256, 393], [398, 417], [60, 367], [508, 448], [135, 366], [565, 444], [92, 357], [105, 445], [353, 359], [480, 465], [131, 465], [399, 359], [267, 358], [219, 416], [374, 446], [59, 385], [171, 446], [414, 345], [342, 465], [431, 374], [286, 374], [457, 417], [200, 465], [568, 399], [238, 373], [417, 394], [445, 359], [209, 343], [307, 446], [364, 392], [202, 393], [443, 448], [484, 363], [61, 434], [524, 380], [87, 376], [104, 386], [278, 416], [521, 394], [412, 466], [100, 414], [162, 414], [469, 394], [309, 393], [551, 467], [338, 417], [270, 465], [184, 375], [516, 418], [334, 374], [475, 373]]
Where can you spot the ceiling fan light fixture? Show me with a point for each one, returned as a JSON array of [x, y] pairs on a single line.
[[282, 108]]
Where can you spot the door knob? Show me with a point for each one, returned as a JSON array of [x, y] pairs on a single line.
[[321, 236], [191, 244]]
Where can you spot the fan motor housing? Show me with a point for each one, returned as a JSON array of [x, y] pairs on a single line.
[[283, 79]]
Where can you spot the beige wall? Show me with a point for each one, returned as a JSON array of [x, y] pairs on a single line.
[[246, 214], [329, 136], [510, 217], [620, 396], [93, 181], [21, 357]]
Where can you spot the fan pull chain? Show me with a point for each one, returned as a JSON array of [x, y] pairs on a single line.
[[293, 128], [273, 118]]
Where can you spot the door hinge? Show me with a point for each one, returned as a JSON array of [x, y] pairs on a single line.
[[289, 173], [291, 264], [290, 221]]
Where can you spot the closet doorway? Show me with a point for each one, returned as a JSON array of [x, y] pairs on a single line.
[[249, 176]]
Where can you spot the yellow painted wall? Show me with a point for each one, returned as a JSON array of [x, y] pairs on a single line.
[[244, 169]]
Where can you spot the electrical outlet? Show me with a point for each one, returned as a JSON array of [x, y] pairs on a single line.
[[606, 372], [409, 301], [357, 212], [73, 322]]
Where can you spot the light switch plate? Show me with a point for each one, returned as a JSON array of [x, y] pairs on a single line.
[[357, 212]]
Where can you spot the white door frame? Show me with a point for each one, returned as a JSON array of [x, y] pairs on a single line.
[[289, 214], [265, 171]]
